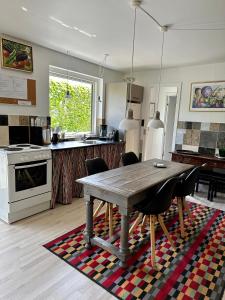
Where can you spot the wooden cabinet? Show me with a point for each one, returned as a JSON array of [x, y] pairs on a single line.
[[211, 161], [137, 93]]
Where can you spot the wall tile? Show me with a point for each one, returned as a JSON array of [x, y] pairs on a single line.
[[196, 125], [190, 148], [214, 127], [4, 135], [221, 140], [222, 127], [180, 136], [189, 125], [195, 137], [181, 125], [23, 120], [3, 120], [178, 147], [209, 151], [14, 121], [187, 137], [205, 126], [208, 139]]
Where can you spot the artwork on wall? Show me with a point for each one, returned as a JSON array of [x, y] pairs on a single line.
[[207, 96], [16, 56]]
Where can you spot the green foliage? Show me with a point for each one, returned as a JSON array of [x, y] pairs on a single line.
[[73, 114]]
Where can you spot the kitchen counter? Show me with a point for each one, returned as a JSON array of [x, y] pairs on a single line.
[[68, 165], [79, 144]]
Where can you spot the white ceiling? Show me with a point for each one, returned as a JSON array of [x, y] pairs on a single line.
[[111, 21]]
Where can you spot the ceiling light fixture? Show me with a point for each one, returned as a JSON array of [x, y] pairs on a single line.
[[155, 122], [24, 8], [68, 95], [60, 22], [128, 123]]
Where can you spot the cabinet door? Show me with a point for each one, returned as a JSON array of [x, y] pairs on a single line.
[[136, 93]]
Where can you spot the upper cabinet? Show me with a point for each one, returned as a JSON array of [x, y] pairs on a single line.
[[137, 93], [117, 96]]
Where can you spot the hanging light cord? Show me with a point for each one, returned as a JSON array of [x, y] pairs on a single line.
[[132, 62], [161, 66], [147, 13]]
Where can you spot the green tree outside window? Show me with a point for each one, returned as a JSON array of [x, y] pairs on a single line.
[[72, 114]]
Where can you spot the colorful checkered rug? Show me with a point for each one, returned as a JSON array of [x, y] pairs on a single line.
[[195, 270]]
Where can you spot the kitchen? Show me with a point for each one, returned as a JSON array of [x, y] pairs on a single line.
[[38, 175]]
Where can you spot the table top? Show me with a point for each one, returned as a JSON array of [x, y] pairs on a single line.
[[133, 179]]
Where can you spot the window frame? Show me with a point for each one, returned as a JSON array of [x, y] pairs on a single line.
[[76, 76]]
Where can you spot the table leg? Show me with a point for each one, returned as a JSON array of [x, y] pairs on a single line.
[[89, 221], [124, 249]]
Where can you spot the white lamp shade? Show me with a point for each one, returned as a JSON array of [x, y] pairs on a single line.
[[156, 123], [129, 123]]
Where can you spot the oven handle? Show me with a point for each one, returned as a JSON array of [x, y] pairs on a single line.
[[30, 166]]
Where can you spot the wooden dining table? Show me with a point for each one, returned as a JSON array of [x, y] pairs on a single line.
[[125, 187]]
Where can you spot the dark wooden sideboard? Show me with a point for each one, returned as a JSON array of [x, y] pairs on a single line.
[[199, 159]]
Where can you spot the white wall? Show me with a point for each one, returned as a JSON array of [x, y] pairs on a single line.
[[185, 75], [44, 57]]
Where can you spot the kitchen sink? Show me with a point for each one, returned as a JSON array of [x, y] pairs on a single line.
[[92, 142]]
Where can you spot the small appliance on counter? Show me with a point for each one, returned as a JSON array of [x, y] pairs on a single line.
[[103, 132]]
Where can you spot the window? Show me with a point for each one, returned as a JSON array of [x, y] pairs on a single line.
[[76, 113]]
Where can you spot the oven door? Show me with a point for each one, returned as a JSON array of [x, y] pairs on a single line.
[[29, 179]]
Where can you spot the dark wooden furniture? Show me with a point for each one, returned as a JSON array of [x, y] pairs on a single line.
[[208, 176], [198, 160], [125, 187]]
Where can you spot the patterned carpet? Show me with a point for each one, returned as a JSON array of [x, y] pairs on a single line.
[[195, 270]]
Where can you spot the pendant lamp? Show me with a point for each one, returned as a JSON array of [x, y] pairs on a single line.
[[68, 95], [156, 123], [128, 123]]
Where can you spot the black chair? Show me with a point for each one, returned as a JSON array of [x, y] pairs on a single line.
[[94, 166], [129, 158], [156, 204], [185, 187]]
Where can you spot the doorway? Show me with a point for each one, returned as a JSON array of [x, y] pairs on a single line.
[[159, 143]]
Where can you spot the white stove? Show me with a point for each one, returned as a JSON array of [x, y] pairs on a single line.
[[25, 181]]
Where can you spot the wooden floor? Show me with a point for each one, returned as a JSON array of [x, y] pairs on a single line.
[[28, 271]]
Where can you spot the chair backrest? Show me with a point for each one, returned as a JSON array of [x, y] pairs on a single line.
[[129, 158], [188, 185], [96, 165], [161, 200]]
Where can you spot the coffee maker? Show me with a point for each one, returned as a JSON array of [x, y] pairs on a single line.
[[103, 131]]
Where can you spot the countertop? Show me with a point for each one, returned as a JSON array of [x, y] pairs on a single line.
[[78, 144]]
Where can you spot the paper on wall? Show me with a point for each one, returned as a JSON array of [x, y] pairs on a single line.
[[13, 87]]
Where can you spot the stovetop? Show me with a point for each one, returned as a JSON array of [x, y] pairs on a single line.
[[21, 148]]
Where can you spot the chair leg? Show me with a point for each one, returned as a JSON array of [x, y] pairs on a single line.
[[180, 212], [186, 207], [143, 223], [152, 235], [98, 209], [136, 222], [162, 224]]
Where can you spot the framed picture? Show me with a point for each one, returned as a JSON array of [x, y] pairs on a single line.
[[151, 110], [208, 96], [16, 56]]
